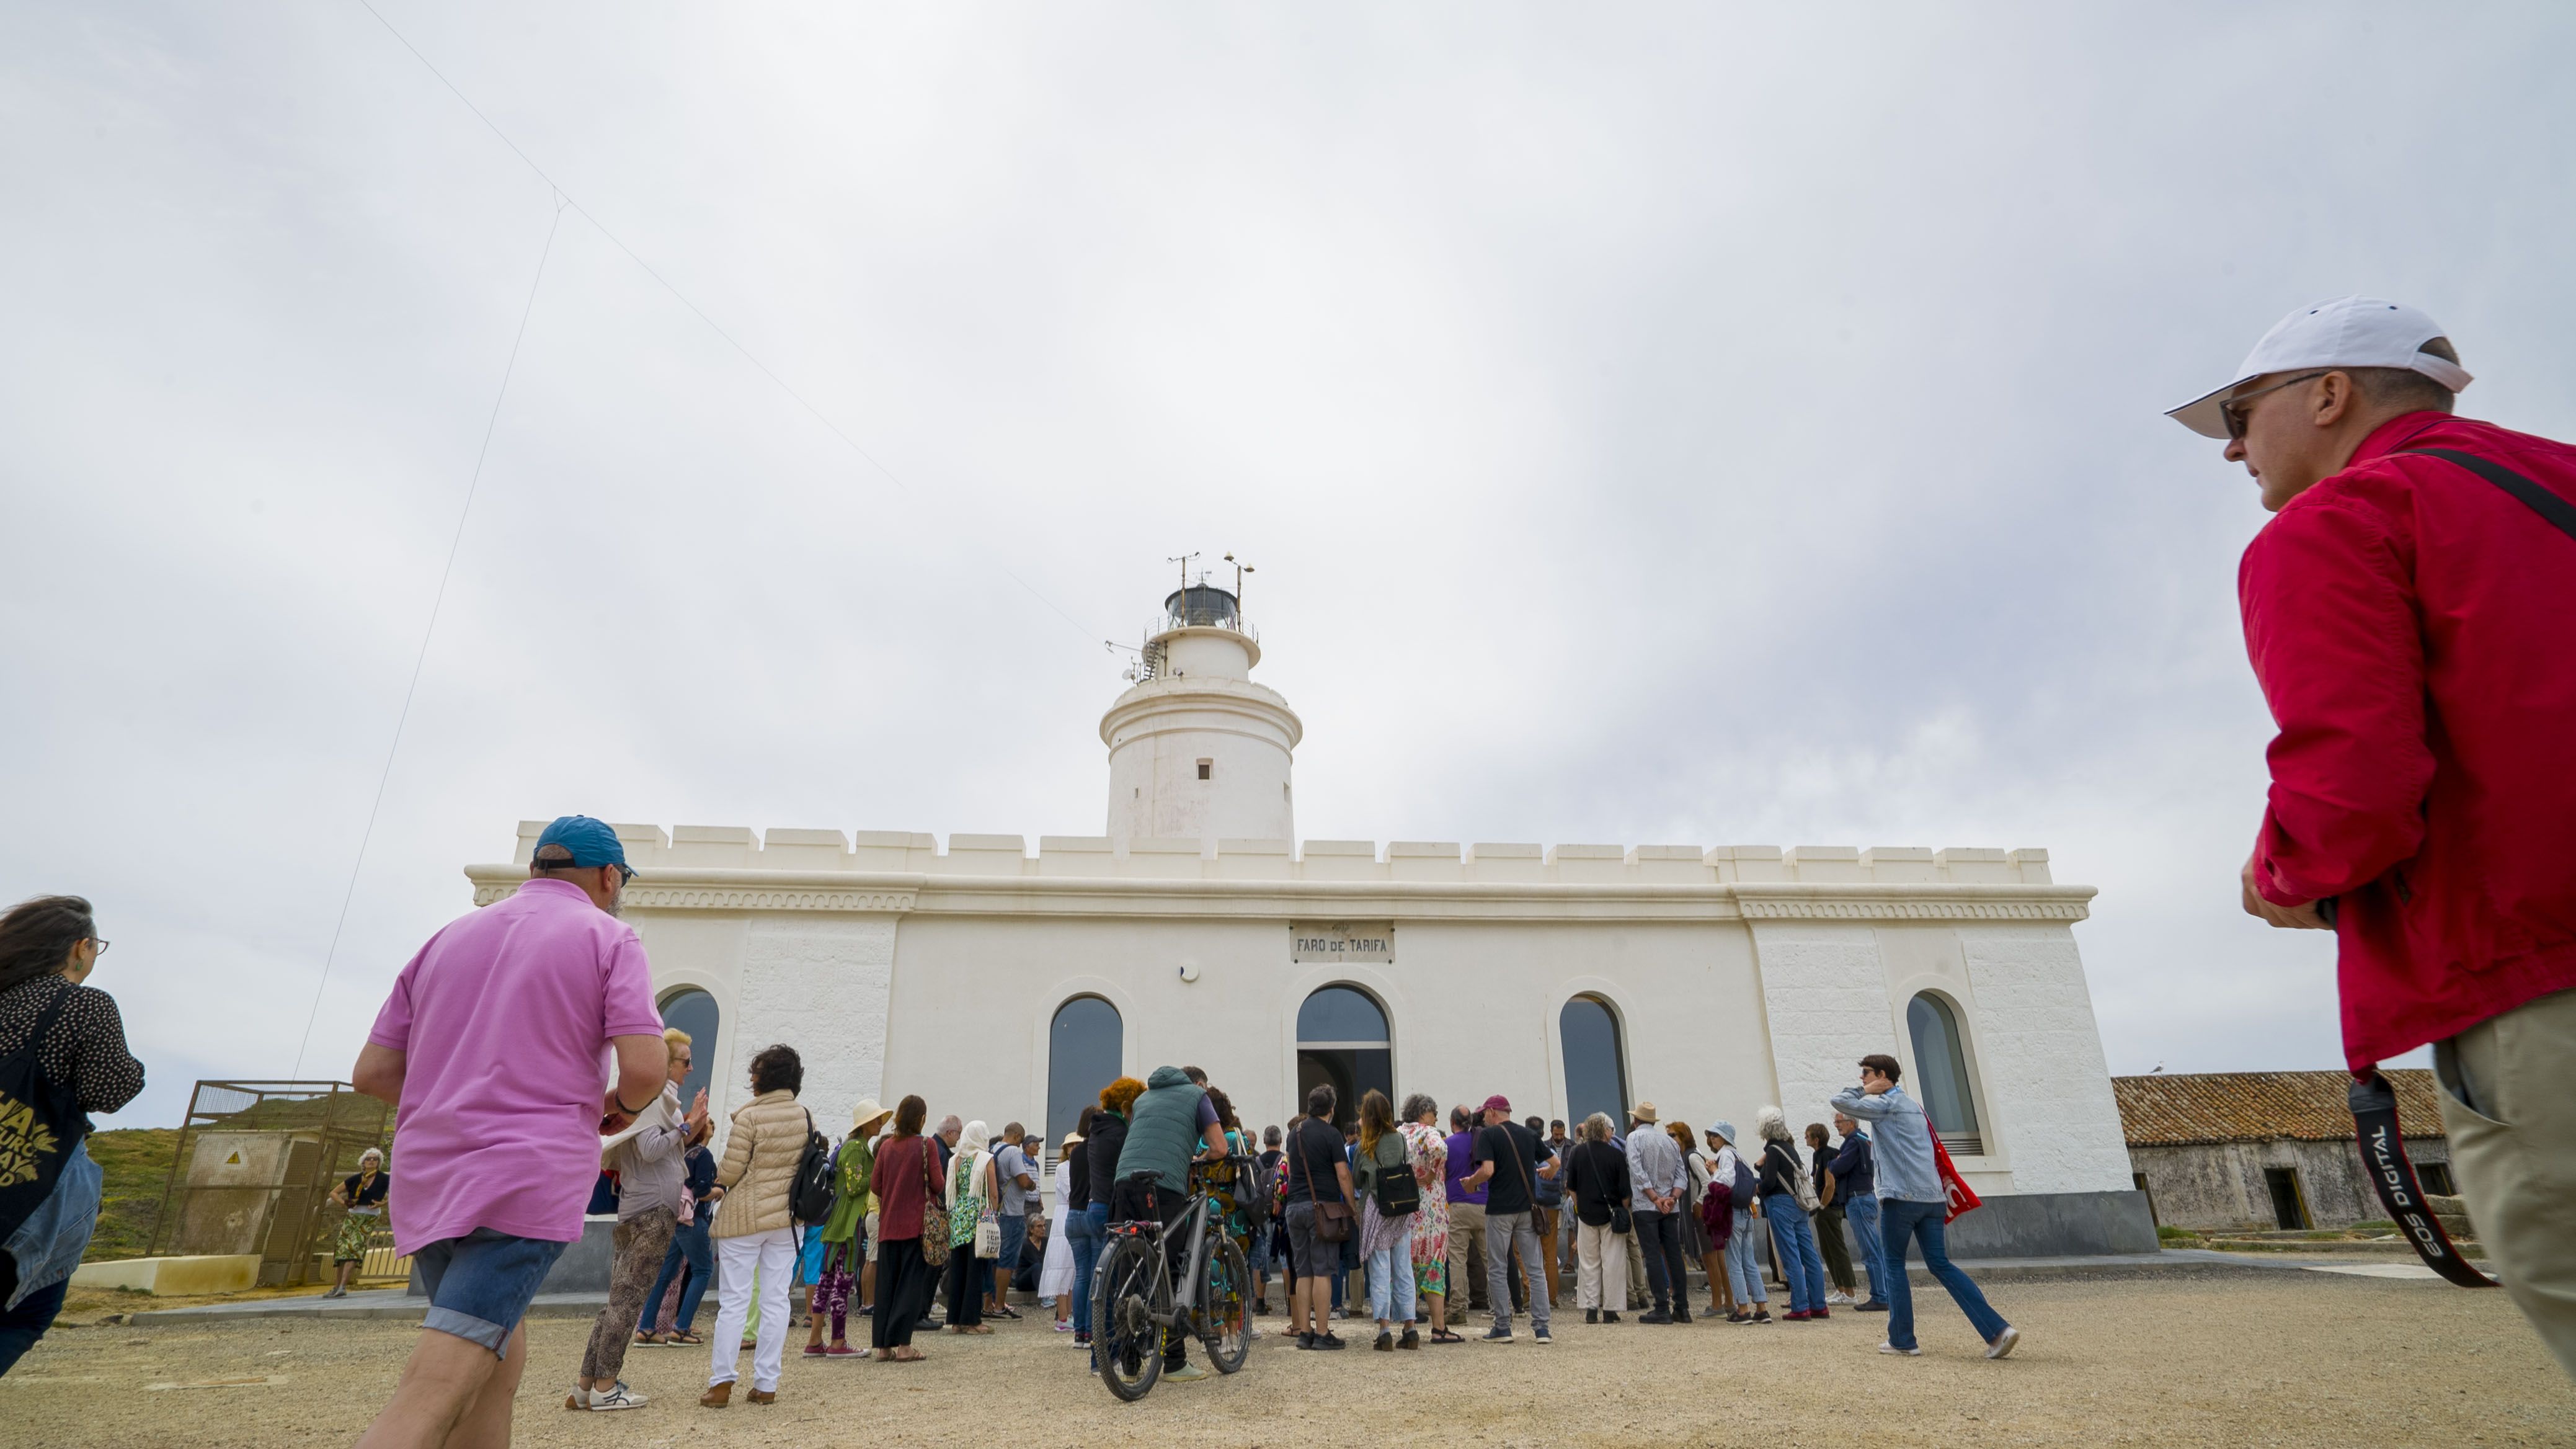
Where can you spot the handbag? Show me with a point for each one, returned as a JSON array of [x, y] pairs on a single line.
[[1397, 1191], [988, 1237], [934, 1209], [1333, 1220]]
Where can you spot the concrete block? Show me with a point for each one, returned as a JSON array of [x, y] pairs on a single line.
[[1506, 862], [1824, 863], [183, 1277], [1433, 860], [1255, 860], [805, 850], [985, 855], [728, 846], [1671, 864], [1340, 860], [2032, 865], [1062, 855]]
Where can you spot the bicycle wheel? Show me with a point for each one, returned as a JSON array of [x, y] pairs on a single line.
[[1225, 1307], [1126, 1348]]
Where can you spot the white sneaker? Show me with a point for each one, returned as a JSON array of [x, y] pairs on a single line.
[[1838, 1298], [2002, 1347], [1908, 1352], [619, 1397]]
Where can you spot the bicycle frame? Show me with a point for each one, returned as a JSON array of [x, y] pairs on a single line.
[[1194, 1221]]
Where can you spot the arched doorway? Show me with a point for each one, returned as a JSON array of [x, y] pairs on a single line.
[[1596, 1065], [1941, 1060], [1342, 1039], [1085, 1047], [694, 1012]]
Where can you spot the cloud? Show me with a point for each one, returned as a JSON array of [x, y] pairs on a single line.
[[1676, 425]]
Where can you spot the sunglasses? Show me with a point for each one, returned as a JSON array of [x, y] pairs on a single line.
[[2233, 410]]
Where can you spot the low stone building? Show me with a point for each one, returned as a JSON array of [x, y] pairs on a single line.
[[2267, 1150]]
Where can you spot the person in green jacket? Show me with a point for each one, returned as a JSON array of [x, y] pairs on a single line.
[[853, 1174]]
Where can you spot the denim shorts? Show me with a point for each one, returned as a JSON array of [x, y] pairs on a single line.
[[480, 1285]]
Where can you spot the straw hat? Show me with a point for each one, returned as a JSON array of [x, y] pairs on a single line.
[[867, 1114], [1643, 1112]]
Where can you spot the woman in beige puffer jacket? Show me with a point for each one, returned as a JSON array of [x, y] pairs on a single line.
[[754, 1232]]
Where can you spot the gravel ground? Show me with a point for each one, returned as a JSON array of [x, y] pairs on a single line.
[[2216, 1355]]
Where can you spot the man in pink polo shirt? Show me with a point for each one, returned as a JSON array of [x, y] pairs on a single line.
[[493, 1048]]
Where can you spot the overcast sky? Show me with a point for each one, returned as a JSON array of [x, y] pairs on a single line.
[[1700, 425]]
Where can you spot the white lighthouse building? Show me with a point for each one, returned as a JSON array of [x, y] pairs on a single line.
[[1197, 751], [1008, 984]]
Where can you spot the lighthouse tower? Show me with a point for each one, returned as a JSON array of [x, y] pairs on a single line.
[[1197, 751]]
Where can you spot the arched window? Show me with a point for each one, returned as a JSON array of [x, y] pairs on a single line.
[[1596, 1069], [1941, 1060], [694, 1012], [1084, 1050], [1342, 1039]]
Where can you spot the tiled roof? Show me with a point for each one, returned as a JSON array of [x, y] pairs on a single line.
[[2181, 1110]]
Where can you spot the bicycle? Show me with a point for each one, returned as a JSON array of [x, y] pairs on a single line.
[[1134, 1302]]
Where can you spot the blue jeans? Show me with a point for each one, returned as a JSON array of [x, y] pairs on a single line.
[[688, 1245], [1743, 1272], [1861, 1211], [1015, 1236], [1801, 1262], [1905, 1222], [1086, 1230], [1390, 1280], [21, 1326]]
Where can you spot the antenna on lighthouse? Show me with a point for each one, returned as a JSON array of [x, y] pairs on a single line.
[[1240, 569], [1184, 561]]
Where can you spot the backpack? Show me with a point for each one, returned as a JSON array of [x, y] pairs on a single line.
[[810, 1201], [1746, 1185]]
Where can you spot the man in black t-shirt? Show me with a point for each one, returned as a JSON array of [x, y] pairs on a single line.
[[1510, 1160], [1317, 1172]]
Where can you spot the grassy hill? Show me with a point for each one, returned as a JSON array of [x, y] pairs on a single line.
[[136, 1165]]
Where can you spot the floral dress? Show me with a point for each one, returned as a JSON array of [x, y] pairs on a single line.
[[1431, 1219]]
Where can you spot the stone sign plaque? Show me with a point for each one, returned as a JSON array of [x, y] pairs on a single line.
[[1330, 941]]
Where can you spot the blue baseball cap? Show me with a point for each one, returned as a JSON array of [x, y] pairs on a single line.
[[592, 842]]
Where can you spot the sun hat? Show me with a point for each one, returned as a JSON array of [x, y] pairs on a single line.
[[865, 1113], [1497, 1103], [2345, 332]]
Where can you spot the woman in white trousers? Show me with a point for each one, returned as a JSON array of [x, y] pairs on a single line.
[[755, 1233]]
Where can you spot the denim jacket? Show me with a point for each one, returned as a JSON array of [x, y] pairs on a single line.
[[49, 1244]]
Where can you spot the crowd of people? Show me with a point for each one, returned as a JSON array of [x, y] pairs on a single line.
[[1360, 1211]]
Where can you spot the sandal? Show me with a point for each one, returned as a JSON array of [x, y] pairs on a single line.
[[907, 1355], [1445, 1336], [683, 1340]]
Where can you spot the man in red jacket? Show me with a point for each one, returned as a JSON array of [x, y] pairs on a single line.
[[2411, 616]]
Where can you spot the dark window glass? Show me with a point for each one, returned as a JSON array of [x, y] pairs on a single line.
[[1596, 1073], [1941, 1059], [1341, 1014], [1084, 1049], [694, 1012]]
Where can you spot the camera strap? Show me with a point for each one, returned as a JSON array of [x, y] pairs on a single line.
[[2383, 1152]]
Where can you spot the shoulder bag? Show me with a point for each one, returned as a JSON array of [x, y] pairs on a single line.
[[934, 1208], [1397, 1191], [1333, 1220]]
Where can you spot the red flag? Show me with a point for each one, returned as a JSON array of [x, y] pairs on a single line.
[[1963, 1198]]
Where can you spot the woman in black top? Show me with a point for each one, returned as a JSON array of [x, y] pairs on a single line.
[[362, 1193], [1596, 1178], [62, 1046], [1103, 1138]]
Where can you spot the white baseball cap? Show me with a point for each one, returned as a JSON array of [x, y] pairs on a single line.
[[2346, 332]]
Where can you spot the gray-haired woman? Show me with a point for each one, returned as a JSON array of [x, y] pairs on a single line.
[[362, 1193]]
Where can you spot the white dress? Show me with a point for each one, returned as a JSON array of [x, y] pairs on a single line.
[[1055, 1273]]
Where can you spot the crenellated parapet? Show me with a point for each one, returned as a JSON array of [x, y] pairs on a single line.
[[694, 867]]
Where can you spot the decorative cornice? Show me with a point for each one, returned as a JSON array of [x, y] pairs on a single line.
[[685, 897], [724, 889]]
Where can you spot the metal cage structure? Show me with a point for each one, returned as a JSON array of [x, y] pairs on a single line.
[[253, 1171]]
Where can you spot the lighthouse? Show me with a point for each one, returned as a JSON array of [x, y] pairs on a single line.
[[1197, 751]]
